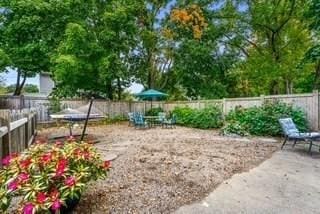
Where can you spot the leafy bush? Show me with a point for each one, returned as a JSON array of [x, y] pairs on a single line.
[[54, 104], [184, 115], [206, 118], [116, 118], [154, 111], [235, 128], [263, 121]]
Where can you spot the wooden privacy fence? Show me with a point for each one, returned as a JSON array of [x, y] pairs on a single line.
[[309, 103], [17, 130]]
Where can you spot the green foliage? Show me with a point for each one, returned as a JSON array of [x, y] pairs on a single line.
[[54, 104], [184, 115], [116, 119], [99, 47], [154, 111], [263, 121], [313, 14], [21, 38], [4, 60], [92, 56], [207, 118], [235, 128], [28, 88], [273, 52], [313, 54], [3, 88], [208, 71]]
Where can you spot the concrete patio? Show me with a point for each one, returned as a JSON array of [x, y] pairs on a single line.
[[289, 182]]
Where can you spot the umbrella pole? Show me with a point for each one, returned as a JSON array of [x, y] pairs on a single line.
[[86, 122]]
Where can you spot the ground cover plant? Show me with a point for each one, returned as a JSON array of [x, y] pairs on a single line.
[[210, 117], [263, 121]]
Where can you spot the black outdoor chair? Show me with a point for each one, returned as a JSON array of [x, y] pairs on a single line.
[[291, 132], [170, 123]]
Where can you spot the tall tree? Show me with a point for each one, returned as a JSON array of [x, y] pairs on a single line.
[[31, 30], [4, 60], [313, 54], [92, 56], [201, 59], [276, 39], [151, 58], [20, 38]]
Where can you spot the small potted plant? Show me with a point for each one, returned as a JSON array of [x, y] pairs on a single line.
[[50, 177]]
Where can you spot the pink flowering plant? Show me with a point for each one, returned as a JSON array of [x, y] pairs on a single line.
[[48, 174]]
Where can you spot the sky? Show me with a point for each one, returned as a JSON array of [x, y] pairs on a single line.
[[11, 77]]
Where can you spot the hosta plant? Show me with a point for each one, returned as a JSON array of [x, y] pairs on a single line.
[[47, 175]]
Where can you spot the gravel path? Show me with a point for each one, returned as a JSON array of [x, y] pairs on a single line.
[[159, 170]]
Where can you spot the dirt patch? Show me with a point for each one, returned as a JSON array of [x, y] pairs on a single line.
[[159, 170]]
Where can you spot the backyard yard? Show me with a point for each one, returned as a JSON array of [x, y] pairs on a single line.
[[159, 170]]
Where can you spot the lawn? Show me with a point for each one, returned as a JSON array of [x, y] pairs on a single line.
[[159, 170]]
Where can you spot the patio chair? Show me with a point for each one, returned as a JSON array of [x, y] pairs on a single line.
[[131, 118], [170, 123], [292, 133], [161, 118], [139, 122]]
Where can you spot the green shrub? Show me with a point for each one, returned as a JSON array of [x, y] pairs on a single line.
[[263, 121], [54, 104], [235, 128], [184, 115], [154, 111], [115, 119], [210, 117]]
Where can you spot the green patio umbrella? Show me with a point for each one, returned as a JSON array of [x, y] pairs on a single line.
[[150, 95]]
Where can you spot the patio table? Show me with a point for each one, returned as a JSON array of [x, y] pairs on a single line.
[[151, 120]]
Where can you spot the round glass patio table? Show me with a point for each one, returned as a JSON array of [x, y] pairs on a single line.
[[151, 120]]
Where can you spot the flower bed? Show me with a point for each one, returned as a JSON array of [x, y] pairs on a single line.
[[49, 175]]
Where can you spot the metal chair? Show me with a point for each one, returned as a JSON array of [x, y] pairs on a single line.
[[139, 121], [161, 118], [131, 118], [170, 123], [291, 132]]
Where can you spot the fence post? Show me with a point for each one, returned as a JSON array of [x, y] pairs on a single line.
[[262, 99], [224, 106], [6, 142], [315, 94], [21, 102], [26, 130], [130, 106]]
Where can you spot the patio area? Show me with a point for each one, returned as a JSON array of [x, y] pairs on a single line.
[[159, 170]]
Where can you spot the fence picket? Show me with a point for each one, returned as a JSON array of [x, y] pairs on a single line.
[[307, 102], [17, 130]]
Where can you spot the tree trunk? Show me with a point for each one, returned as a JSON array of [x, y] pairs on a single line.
[[119, 89], [109, 90], [287, 87], [316, 82], [150, 71], [19, 86], [291, 87], [274, 87]]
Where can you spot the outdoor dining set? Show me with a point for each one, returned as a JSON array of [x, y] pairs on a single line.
[[138, 120]]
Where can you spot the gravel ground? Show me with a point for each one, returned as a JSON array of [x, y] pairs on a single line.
[[159, 170]]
